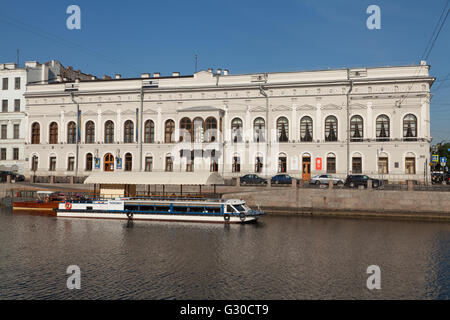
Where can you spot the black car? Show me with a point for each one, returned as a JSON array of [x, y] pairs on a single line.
[[14, 176], [355, 180], [281, 179], [252, 179]]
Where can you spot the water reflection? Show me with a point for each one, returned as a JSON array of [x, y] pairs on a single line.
[[278, 258]]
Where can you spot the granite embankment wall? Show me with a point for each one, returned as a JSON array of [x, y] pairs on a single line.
[[415, 205]]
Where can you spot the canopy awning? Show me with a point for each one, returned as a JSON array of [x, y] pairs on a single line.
[[152, 178]]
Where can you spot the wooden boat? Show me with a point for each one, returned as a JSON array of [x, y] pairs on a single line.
[[46, 203]]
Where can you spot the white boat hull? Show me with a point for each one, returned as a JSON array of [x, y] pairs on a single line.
[[156, 217]]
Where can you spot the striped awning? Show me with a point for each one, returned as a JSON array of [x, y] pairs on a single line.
[[152, 178]]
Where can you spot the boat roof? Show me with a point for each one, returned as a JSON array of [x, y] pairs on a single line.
[[200, 201], [155, 178]]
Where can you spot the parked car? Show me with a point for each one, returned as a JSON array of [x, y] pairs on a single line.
[[325, 179], [355, 180], [252, 179], [437, 177], [281, 179], [14, 176]]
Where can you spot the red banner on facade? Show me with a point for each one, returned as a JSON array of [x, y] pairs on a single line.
[[318, 163]]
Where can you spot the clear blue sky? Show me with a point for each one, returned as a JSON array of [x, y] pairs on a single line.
[[131, 37]]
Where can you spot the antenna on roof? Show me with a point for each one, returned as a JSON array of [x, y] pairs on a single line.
[[18, 57]]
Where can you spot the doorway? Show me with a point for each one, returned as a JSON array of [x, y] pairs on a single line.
[[306, 168], [108, 161]]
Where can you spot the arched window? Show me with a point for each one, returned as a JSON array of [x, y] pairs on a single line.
[[410, 127], [109, 132], [331, 132], [259, 128], [306, 127], [89, 162], [282, 163], [90, 132], [186, 130], [211, 129], [35, 133], [283, 129], [169, 130], [149, 131], [236, 166], [53, 136], [356, 128], [128, 135], [236, 130], [383, 128], [128, 162], [198, 129], [71, 132], [331, 163]]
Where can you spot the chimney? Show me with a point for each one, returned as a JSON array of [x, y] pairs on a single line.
[[175, 74], [77, 80], [145, 75], [93, 78], [219, 71], [225, 72], [210, 70], [58, 79], [106, 77], [423, 63], [118, 76], [156, 75]]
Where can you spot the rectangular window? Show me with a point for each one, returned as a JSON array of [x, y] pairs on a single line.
[[52, 165], [17, 83], [282, 165], [15, 153], [356, 165], [410, 165], [70, 163], [16, 131], [169, 164], [17, 105], [5, 106], [148, 164], [190, 163], [383, 165], [4, 133], [236, 164], [259, 165], [5, 84], [3, 154], [331, 165], [214, 167]]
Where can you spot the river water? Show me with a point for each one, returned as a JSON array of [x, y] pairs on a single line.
[[277, 258]]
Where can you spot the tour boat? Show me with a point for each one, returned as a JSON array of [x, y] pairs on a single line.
[[162, 209]]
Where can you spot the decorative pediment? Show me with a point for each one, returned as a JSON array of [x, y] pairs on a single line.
[[199, 109], [89, 113], [282, 108], [306, 107], [331, 106], [70, 114], [108, 113], [258, 109], [150, 111], [129, 112], [357, 106]]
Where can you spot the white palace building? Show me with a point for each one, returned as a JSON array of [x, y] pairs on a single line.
[[374, 121]]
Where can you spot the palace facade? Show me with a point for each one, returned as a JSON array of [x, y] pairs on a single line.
[[374, 121]]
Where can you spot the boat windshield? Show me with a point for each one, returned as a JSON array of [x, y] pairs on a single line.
[[239, 207]]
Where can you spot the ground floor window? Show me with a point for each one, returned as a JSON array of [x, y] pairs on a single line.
[[128, 162], [258, 165], [89, 162], [169, 163], [356, 165], [70, 163], [410, 165], [331, 165], [383, 167], [236, 164], [34, 163], [214, 166], [148, 164], [282, 164], [3, 154], [52, 164]]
